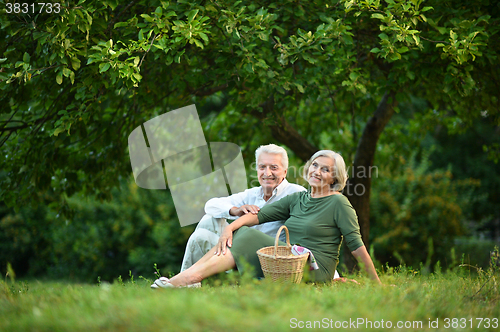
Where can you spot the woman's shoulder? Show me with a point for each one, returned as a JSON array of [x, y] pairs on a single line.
[[297, 196], [340, 199]]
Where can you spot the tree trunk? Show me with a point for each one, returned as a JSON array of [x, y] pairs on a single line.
[[360, 176]]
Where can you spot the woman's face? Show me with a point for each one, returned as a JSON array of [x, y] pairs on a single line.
[[320, 173]]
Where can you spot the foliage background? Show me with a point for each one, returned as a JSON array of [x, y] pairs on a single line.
[[407, 86]]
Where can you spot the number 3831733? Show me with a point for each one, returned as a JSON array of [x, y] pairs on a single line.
[[33, 8]]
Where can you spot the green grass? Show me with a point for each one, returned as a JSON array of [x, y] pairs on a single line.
[[239, 304]]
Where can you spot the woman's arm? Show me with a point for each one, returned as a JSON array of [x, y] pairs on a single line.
[[364, 258], [226, 239]]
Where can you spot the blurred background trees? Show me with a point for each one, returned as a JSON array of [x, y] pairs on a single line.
[[408, 87]]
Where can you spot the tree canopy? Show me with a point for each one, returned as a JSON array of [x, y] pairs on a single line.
[[313, 74]]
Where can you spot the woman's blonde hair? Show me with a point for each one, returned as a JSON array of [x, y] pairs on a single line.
[[340, 175]]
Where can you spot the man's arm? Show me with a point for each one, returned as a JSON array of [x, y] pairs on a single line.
[[219, 207]]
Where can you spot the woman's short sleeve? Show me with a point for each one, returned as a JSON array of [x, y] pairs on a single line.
[[347, 221], [279, 210]]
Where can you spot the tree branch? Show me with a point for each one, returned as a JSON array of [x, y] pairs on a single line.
[[150, 45], [435, 41], [209, 91], [112, 23], [283, 132]]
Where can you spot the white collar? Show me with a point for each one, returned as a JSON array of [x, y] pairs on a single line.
[[276, 191]]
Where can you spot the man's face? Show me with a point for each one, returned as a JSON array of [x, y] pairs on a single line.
[[270, 170]]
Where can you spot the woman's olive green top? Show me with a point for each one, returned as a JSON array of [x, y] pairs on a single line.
[[318, 224]]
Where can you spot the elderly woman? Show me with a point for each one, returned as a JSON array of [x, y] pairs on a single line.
[[318, 219]]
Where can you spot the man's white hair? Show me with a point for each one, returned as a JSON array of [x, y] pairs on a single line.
[[273, 149]]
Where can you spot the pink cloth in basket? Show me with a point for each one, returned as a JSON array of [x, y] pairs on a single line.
[[298, 250]]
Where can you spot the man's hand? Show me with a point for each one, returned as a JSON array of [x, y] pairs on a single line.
[[244, 209], [225, 240]]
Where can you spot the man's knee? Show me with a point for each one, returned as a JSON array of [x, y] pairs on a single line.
[[203, 238], [214, 225]]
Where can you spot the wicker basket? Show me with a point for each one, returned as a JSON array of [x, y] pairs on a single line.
[[278, 262]]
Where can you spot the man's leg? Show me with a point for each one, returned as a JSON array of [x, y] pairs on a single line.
[[204, 238]]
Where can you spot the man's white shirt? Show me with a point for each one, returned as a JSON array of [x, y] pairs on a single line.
[[219, 207]]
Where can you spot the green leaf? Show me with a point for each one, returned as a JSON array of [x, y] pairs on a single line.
[[426, 8], [66, 72], [170, 13], [2, 60], [103, 67], [300, 87], [23, 169], [147, 17], [375, 50], [383, 36], [203, 36], [137, 76], [121, 24], [308, 58], [192, 14], [57, 131], [353, 76], [198, 43], [442, 30], [59, 77], [75, 63], [112, 4], [26, 57], [377, 15]]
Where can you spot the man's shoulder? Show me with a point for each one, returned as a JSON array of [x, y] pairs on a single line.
[[253, 191], [292, 187]]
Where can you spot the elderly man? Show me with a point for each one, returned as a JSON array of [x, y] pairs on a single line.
[[272, 165]]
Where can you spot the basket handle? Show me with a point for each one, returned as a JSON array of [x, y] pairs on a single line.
[[276, 240]]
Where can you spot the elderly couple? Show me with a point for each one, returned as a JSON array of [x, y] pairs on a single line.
[[318, 219]]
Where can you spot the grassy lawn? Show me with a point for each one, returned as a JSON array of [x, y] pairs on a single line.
[[449, 301]]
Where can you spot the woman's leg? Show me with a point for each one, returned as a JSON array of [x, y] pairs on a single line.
[[206, 257], [209, 265]]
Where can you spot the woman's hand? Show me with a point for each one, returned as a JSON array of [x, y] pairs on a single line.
[[225, 240], [342, 279]]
